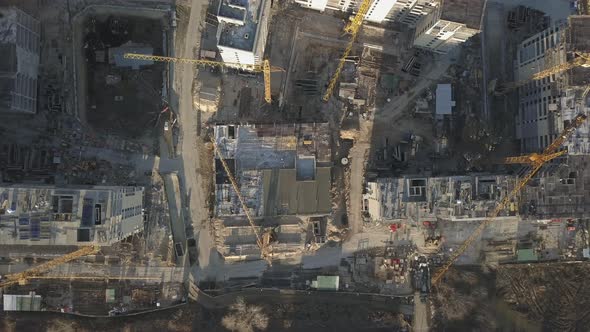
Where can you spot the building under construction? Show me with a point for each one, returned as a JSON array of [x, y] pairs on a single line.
[[548, 105], [562, 192], [242, 31], [282, 171], [69, 216], [19, 45], [422, 198]]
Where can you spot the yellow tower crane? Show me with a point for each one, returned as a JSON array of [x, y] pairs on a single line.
[[22, 277], [265, 68], [352, 28], [263, 241], [536, 161], [580, 60]]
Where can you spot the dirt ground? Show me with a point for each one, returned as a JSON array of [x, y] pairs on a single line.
[[532, 297], [126, 104], [555, 295], [192, 317], [462, 303]]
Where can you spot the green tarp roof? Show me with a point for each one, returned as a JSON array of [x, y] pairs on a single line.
[[328, 282], [526, 255]]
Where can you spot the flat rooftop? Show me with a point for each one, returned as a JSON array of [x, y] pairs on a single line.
[[444, 99], [468, 12], [47, 215], [283, 194], [265, 146], [281, 169], [453, 197], [239, 23]]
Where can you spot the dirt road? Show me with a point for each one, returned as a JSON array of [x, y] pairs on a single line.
[[393, 109], [384, 116], [196, 197], [420, 323]]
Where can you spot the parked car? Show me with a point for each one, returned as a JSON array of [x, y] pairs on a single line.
[[178, 248]]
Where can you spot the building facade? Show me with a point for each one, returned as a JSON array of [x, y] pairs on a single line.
[[537, 122], [410, 12], [378, 11], [243, 30], [44, 215], [19, 46], [448, 24], [548, 105]]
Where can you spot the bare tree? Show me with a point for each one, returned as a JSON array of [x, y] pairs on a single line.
[[245, 318]]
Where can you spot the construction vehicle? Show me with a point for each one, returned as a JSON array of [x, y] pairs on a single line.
[[265, 68], [22, 277], [263, 241], [536, 161], [352, 28], [579, 60]]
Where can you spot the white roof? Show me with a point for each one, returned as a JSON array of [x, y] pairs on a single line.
[[444, 101], [30, 302]]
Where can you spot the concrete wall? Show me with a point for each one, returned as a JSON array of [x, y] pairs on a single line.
[[262, 32]]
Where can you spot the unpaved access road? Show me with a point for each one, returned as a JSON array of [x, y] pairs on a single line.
[[384, 117], [193, 183]]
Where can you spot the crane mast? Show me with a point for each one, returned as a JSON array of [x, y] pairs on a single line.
[[582, 60], [22, 277], [265, 68], [263, 245], [352, 28]]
